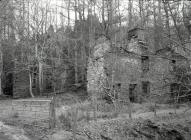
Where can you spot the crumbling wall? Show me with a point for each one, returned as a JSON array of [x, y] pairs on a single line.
[[159, 77], [21, 82], [110, 68], [95, 72]]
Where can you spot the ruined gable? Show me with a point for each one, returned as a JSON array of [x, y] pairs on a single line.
[[95, 71], [110, 67]]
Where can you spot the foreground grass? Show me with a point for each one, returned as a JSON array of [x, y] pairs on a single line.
[[107, 124]]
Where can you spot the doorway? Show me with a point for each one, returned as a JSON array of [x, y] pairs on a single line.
[[132, 92], [8, 88]]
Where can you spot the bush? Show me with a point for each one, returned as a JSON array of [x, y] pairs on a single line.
[[65, 122]]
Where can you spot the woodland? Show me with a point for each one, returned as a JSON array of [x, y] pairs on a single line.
[[50, 48]]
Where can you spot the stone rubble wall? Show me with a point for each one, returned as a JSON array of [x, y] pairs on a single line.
[[95, 73]]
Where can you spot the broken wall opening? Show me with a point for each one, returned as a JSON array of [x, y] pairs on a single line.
[[117, 90], [145, 63], [132, 92], [8, 89], [146, 88]]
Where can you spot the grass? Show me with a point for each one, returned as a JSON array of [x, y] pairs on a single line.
[[105, 115]]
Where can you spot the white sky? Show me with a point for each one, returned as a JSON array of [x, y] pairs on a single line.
[[56, 6]]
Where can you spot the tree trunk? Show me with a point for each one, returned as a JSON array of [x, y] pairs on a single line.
[[75, 10], [155, 27], [130, 14], [1, 92], [80, 12], [52, 115], [167, 19], [76, 64], [1, 70], [30, 87], [83, 11], [103, 12], [69, 13], [75, 49], [40, 77], [141, 12]]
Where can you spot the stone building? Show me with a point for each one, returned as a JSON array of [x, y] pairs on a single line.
[[134, 70], [118, 68]]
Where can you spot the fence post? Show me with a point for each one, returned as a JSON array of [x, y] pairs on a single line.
[[52, 123]]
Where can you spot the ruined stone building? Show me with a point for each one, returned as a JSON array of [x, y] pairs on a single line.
[[134, 70]]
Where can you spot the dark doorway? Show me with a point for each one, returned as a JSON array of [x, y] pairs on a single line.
[[117, 90], [132, 92], [145, 63], [8, 89], [146, 88], [174, 87]]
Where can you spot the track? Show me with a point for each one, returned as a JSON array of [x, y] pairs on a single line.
[[11, 133]]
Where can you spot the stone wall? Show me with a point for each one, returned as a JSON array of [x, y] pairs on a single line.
[[20, 82], [161, 77], [95, 71], [158, 72], [108, 67], [26, 110]]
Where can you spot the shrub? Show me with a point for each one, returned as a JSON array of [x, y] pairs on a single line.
[[65, 122]]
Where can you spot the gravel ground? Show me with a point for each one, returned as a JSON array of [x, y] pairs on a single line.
[[11, 133], [4, 137]]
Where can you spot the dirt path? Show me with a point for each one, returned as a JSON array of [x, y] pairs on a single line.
[[4, 137], [11, 133]]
